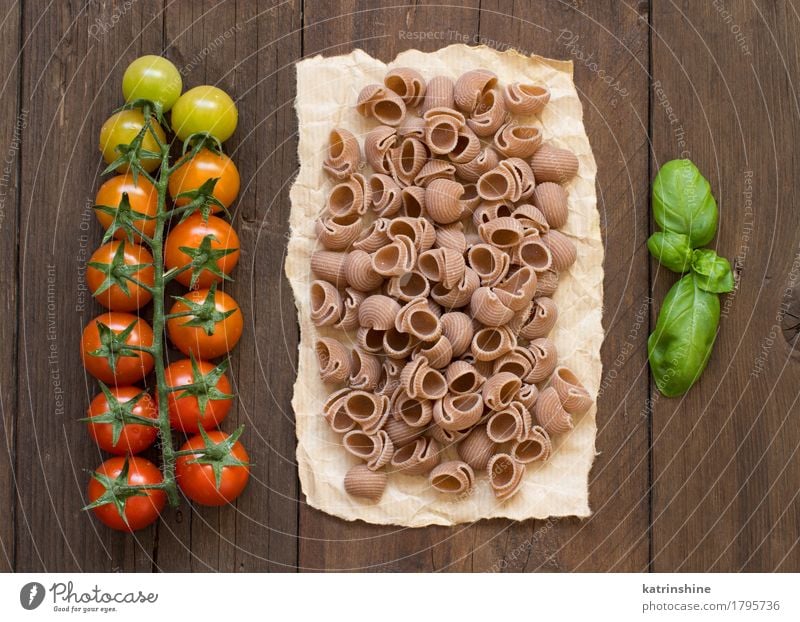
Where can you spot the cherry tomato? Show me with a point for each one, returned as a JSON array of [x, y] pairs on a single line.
[[193, 339], [133, 437], [114, 297], [205, 109], [190, 234], [202, 167], [185, 413], [140, 510], [120, 129], [154, 78], [197, 480], [142, 196], [132, 367]]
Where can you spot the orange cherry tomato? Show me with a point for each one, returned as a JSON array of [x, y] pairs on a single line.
[[114, 297], [140, 510], [131, 368], [197, 480], [143, 198], [194, 339], [133, 437], [202, 167], [185, 413], [190, 234]]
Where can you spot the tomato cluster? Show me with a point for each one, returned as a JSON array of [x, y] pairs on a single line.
[[137, 259]]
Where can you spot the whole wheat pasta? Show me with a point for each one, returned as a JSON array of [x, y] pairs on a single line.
[[533, 253], [384, 195], [547, 282], [499, 184], [365, 370], [458, 329], [438, 94], [419, 380], [471, 86], [435, 169], [561, 248], [517, 289], [458, 412], [442, 126], [348, 197], [412, 202], [359, 273], [551, 414], [390, 377], [418, 457], [518, 363], [452, 236], [546, 357], [419, 230], [438, 353], [414, 412], [505, 476], [551, 199], [458, 296], [517, 141], [401, 433], [344, 154], [499, 390], [553, 164], [491, 210], [398, 345], [370, 340], [382, 104], [447, 438], [573, 395], [512, 422], [476, 448], [443, 201], [484, 368], [525, 98], [535, 447], [471, 199], [377, 144], [369, 410], [408, 286], [452, 477], [489, 262], [374, 449], [326, 303], [523, 177], [502, 232], [489, 114], [485, 161], [462, 378], [407, 160], [407, 83], [333, 359], [334, 412], [378, 312], [541, 319], [442, 265], [467, 147], [329, 266], [490, 343], [337, 233], [417, 319], [396, 258], [531, 218], [351, 300], [527, 395], [488, 309], [411, 126], [360, 481], [374, 236]]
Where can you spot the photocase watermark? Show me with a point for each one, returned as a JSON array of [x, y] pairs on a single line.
[[457, 36], [53, 365], [523, 548], [106, 23], [748, 222], [571, 43], [7, 171], [678, 132], [736, 29], [640, 323], [210, 47], [66, 598], [82, 256]]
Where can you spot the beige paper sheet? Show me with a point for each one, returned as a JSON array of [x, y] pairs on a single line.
[[327, 89]]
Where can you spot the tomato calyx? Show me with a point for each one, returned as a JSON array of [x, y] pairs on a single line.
[[204, 315], [119, 273], [204, 386], [132, 154], [195, 142], [124, 218], [147, 107], [201, 200], [204, 257], [120, 414], [118, 490], [216, 455], [113, 345]]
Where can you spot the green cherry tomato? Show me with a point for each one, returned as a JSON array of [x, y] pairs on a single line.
[[205, 109], [120, 129], [154, 78]]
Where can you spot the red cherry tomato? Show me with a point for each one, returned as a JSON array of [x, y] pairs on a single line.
[[194, 339], [202, 167], [190, 234], [197, 480], [131, 368], [133, 437], [140, 510], [185, 413], [114, 297]]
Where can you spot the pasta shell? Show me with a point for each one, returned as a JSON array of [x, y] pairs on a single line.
[[326, 303], [351, 300], [443, 200], [458, 296], [551, 414], [370, 340], [488, 309], [547, 282], [490, 343], [382, 104], [344, 154], [467, 147], [374, 449], [377, 144], [505, 476], [369, 410], [330, 266], [527, 396], [534, 253], [499, 184], [525, 99], [532, 220], [412, 200], [545, 356], [500, 389], [442, 265], [554, 164], [519, 363], [348, 198], [335, 414], [407, 160], [412, 126], [517, 290], [384, 195], [359, 273], [484, 368], [491, 210], [551, 199], [417, 458], [573, 395], [523, 177], [374, 236], [419, 380], [438, 94], [476, 448], [401, 434], [458, 412], [442, 127], [471, 86], [541, 320], [409, 286], [448, 438], [407, 83], [485, 161], [417, 319], [512, 422], [453, 477], [397, 345], [457, 327], [516, 322], [435, 169], [337, 233], [502, 232], [438, 353], [517, 141], [390, 378], [535, 447], [365, 370], [452, 237], [415, 412], [333, 359], [395, 259], [471, 199], [489, 263], [462, 378], [364, 483], [562, 249], [489, 115], [419, 230]]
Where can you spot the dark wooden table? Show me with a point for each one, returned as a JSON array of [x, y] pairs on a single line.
[[706, 482]]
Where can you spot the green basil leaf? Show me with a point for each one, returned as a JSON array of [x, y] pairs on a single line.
[[671, 249], [682, 202], [712, 272], [681, 343]]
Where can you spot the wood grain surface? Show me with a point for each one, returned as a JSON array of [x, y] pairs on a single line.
[[706, 482]]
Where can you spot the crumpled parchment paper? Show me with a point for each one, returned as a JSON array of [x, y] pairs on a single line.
[[327, 89]]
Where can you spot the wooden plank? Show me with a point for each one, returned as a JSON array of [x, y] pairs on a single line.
[[725, 486], [14, 120], [73, 62], [616, 37], [249, 50]]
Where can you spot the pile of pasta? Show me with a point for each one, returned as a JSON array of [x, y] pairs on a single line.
[[438, 267]]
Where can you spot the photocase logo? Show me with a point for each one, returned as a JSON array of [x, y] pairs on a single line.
[[31, 595]]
